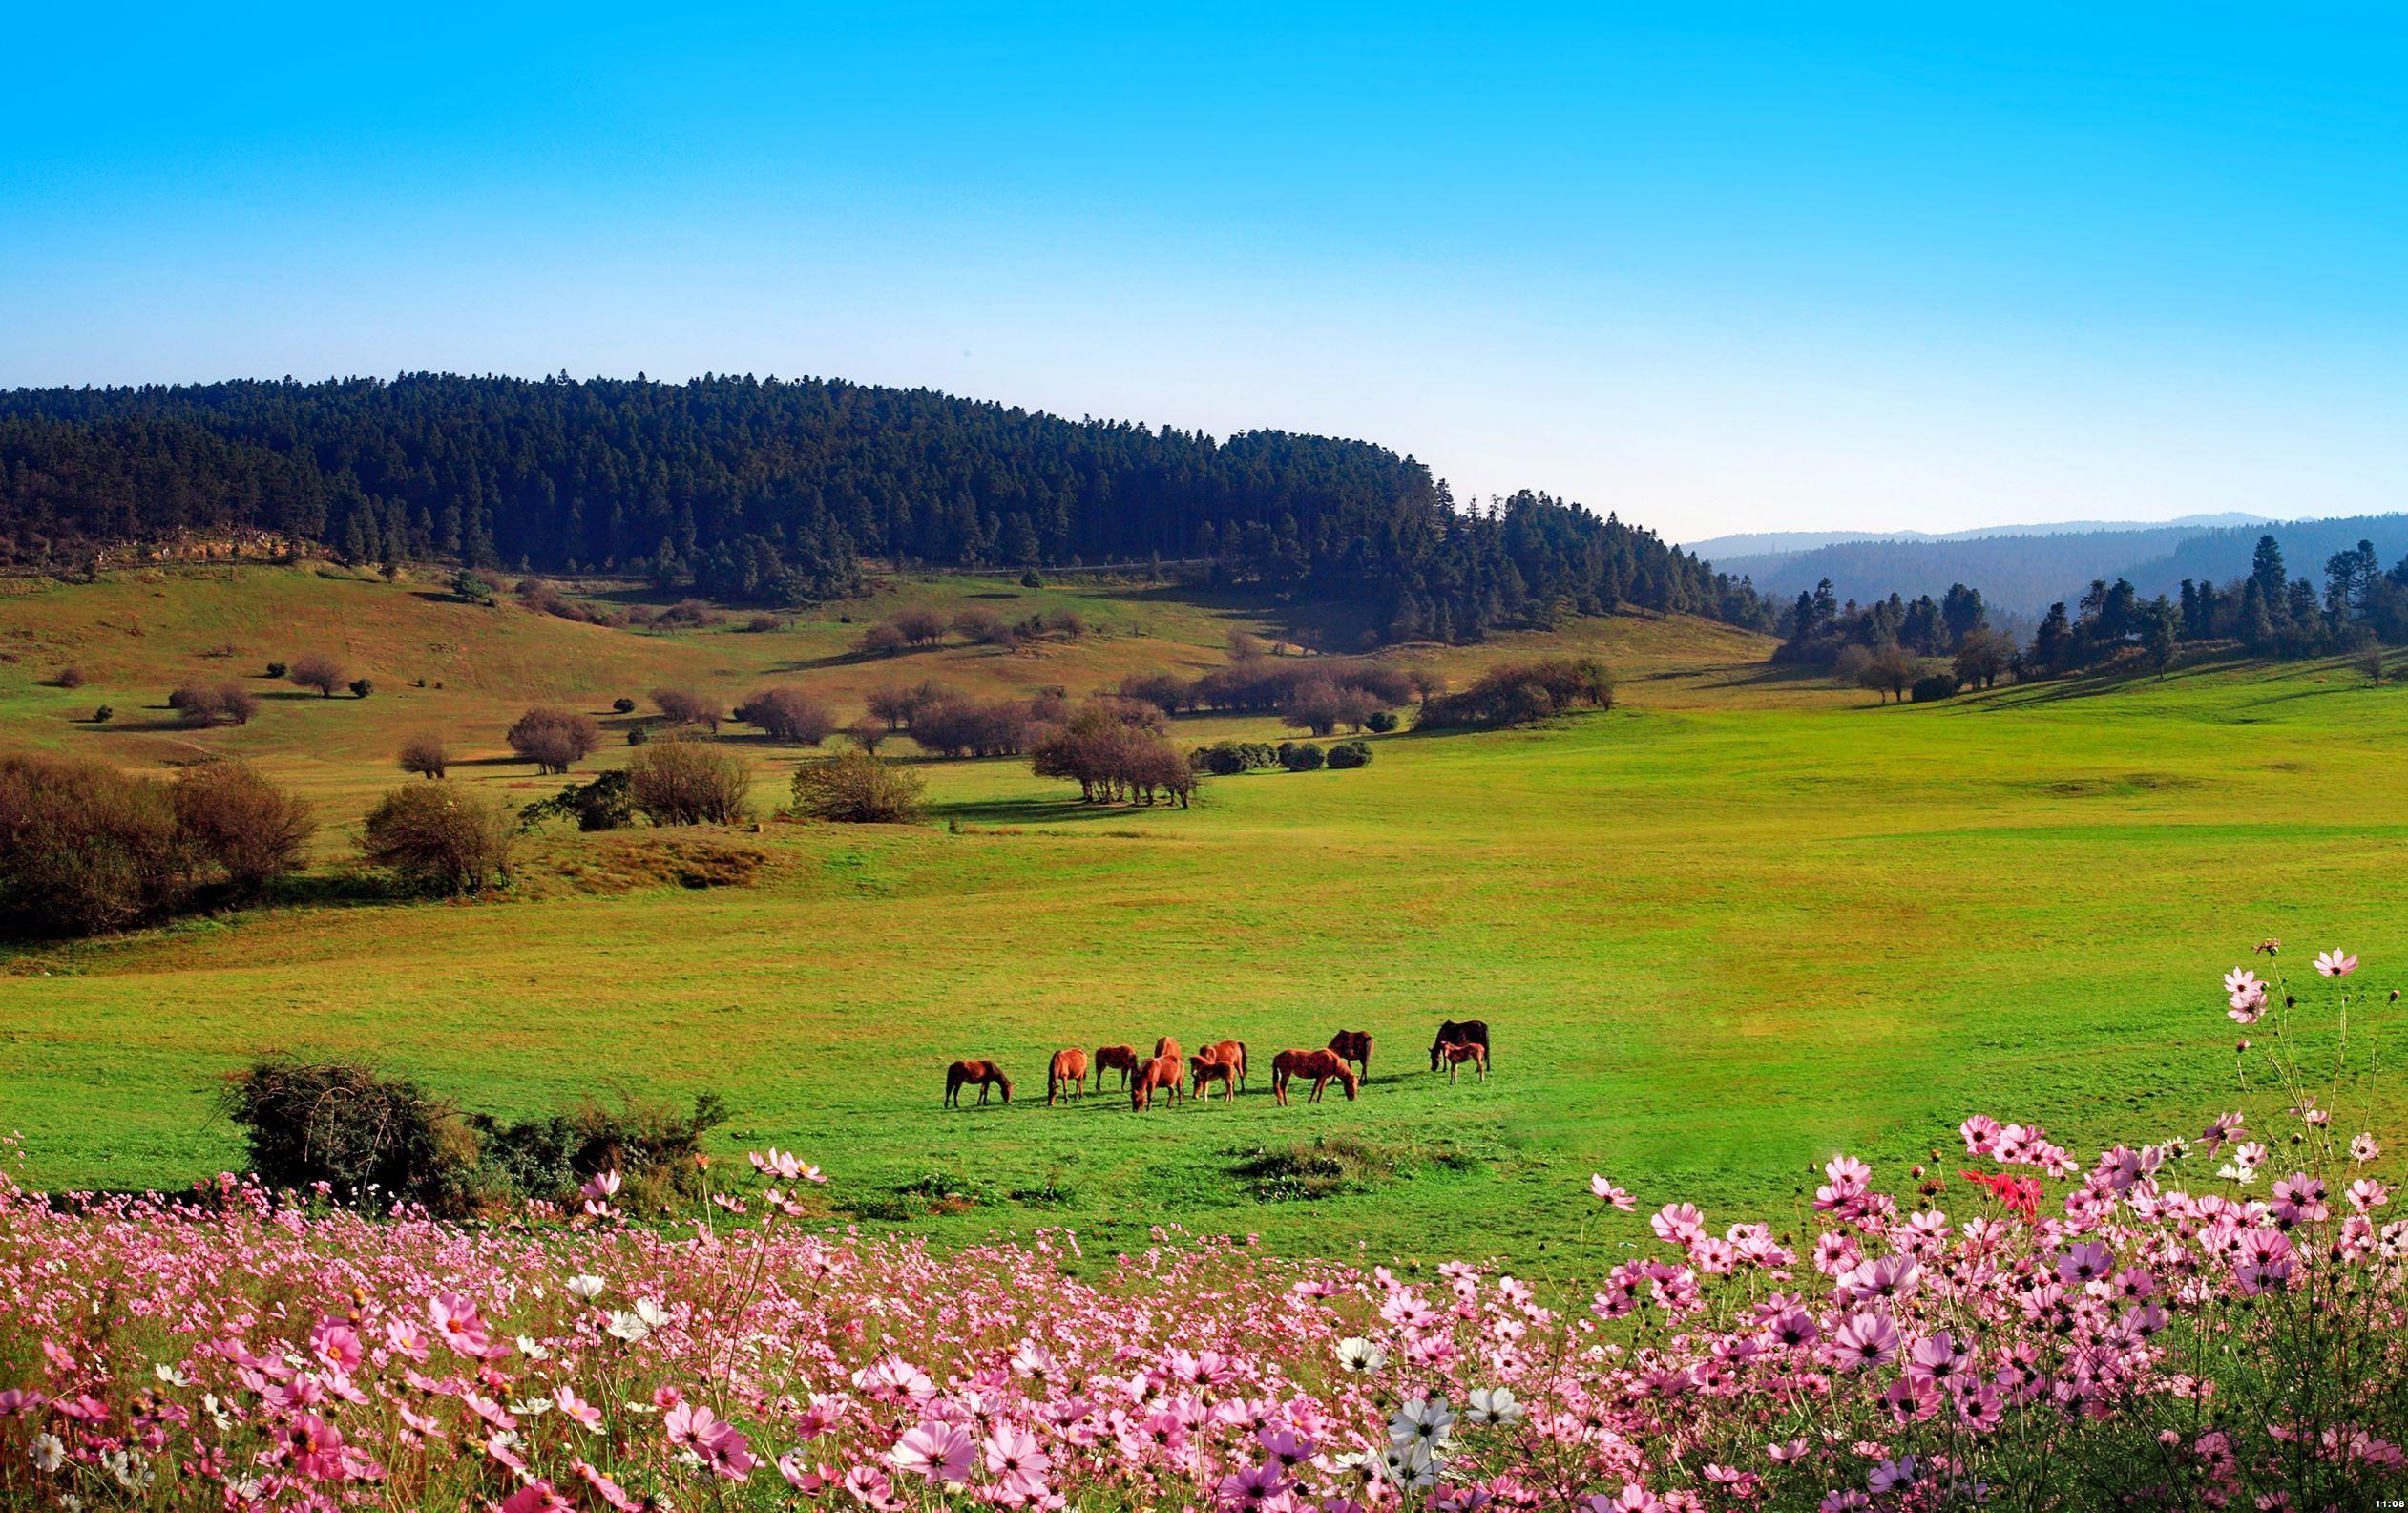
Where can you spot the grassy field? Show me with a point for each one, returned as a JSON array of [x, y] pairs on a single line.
[[1737, 923]]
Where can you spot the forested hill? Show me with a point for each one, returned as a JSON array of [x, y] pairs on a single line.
[[771, 489]]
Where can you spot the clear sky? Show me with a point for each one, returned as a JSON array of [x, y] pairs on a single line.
[[1720, 269]]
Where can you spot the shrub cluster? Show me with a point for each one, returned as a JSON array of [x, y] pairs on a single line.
[[857, 787], [426, 755], [1514, 693], [373, 1139], [1114, 749], [85, 847], [214, 703], [920, 626], [786, 713], [604, 803], [1229, 758], [688, 707], [318, 671]]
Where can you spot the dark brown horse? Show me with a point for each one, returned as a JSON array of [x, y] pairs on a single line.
[[1354, 1045], [1067, 1073], [1205, 1069], [1161, 1074], [1472, 1051], [982, 1073], [1233, 1053], [1120, 1058], [1471, 1032], [1319, 1065]]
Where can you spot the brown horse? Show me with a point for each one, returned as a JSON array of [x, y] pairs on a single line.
[[1232, 1054], [1354, 1045], [1161, 1074], [1120, 1058], [1319, 1065], [1455, 1055], [982, 1073], [1206, 1070], [1168, 1046], [1069, 1071]]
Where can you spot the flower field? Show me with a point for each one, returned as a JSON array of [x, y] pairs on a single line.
[[2212, 1322]]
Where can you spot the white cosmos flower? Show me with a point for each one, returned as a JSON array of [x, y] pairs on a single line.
[[1360, 1355], [586, 1286], [49, 1453], [1410, 1466], [173, 1376], [651, 1311], [1422, 1422], [528, 1347], [1494, 1405], [532, 1407], [628, 1327]]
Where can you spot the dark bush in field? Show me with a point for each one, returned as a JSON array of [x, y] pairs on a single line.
[[763, 624], [372, 1140], [687, 706], [440, 837], [653, 1148], [857, 787], [1349, 754], [788, 713], [69, 676], [103, 714], [1229, 758], [214, 703], [689, 782], [1514, 693], [246, 827], [1301, 757], [555, 740], [318, 671], [361, 687], [605, 803], [276, 669], [425, 754], [1934, 686], [623, 705], [1379, 722]]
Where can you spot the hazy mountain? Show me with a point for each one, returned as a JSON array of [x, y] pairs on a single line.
[[2022, 574], [1753, 544]]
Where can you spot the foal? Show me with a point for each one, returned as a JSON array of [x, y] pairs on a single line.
[[1206, 1070]]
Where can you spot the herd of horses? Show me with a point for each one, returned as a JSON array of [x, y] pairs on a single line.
[[1347, 1061]]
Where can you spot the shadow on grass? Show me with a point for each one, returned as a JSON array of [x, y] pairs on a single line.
[[1035, 811]]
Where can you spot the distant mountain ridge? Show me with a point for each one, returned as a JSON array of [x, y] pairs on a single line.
[[2020, 574], [1753, 544]]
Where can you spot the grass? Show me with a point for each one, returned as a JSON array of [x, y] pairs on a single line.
[[1738, 923]]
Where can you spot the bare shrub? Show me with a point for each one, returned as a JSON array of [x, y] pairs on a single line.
[[954, 725], [251, 829], [858, 788], [85, 847], [688, 707], [441, 836], [882, 639], [553, 739], [689, 782], [1165, 691], [215, 703], [985, 627], [425, 754], [921, 627], [1516, 692], [69, 676], [869, 733], [318, 671], [788, 713]]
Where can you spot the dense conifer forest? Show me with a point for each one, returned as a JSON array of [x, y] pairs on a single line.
[[773, 491]]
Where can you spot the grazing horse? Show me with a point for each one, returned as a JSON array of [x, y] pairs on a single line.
[[1168, 1046], [1120, 1058], [1472, 1051], [981, 1073], [1206, 1070], [1069, 1071], [1354, 1045], [1319, 1065], [1232, 1054], [1160, 1073], [1471, 1032]]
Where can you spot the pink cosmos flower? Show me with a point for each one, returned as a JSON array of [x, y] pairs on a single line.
[[729, 1454], [1015, 1459], [869, 1486], [457, 1325], [575, 1408], [1863, 1340], [939, 1451], [1607, 1192], [317, 1448], [607, 1490], [537, 1497], [2335, 964]]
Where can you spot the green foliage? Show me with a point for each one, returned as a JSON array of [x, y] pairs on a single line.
[[1380, 723], [441, 837], [604, 803], [1934, 686], [1514, 693], [689, 782], [1351, 754], [857, 787], [1335, 1165], [1301, 756], [372, 1140]]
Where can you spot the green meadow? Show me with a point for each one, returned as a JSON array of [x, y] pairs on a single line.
[[1740, 922]]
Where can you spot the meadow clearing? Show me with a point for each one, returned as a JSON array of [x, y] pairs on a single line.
[[1739, 922]]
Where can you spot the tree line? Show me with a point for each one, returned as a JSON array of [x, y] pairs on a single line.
[[773, 492]]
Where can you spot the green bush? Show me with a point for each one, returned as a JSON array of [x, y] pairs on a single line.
[[1301, 757], [858, 788], [1379, 722], [1935, 686], [601, 805], [371, 1140], [441, 836], [1349, 754], [689, 782]]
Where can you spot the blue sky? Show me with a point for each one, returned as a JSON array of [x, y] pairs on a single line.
[[1715, 268]]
